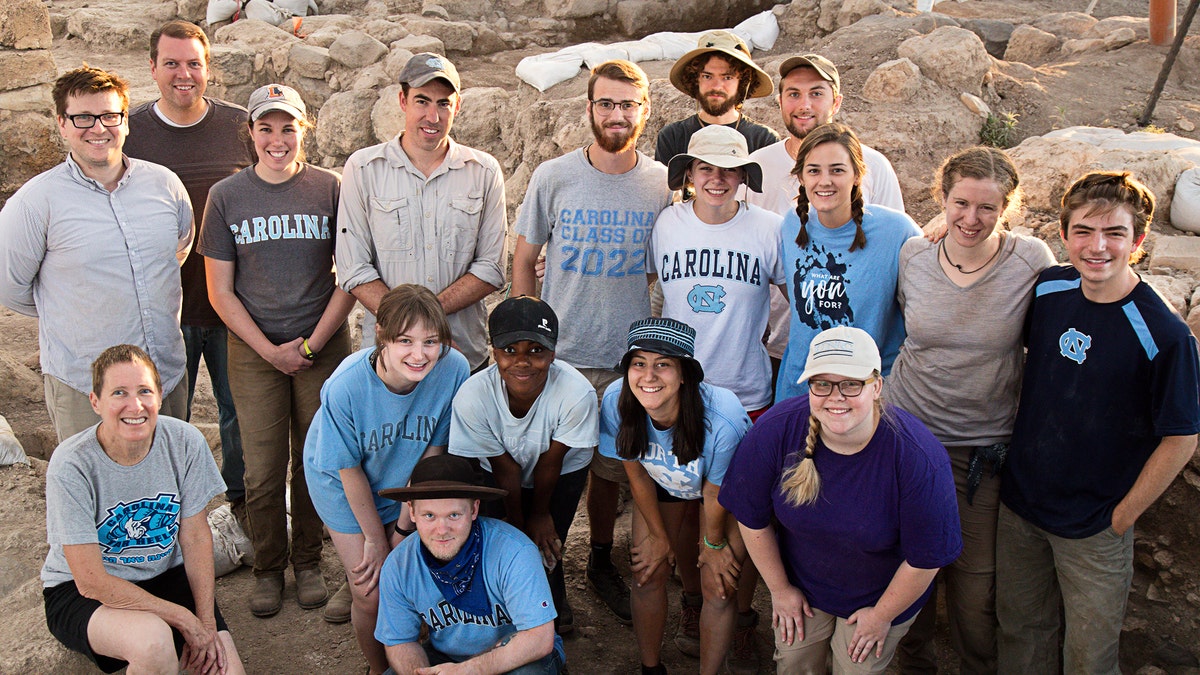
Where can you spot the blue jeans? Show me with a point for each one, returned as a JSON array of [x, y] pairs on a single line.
[[212, 344], [549, 664]]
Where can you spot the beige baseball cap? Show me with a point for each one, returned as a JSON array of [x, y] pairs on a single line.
[[842, 350], [425, 67], [822, 65]]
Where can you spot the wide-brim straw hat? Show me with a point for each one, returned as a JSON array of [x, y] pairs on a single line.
[[718, 145], [729, 44]]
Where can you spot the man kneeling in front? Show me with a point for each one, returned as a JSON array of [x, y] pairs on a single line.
[[467, 579]]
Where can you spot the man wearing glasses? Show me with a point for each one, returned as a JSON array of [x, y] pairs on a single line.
[[720, 75], [92, 248], [593, 209]]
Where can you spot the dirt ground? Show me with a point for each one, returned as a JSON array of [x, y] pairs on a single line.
[[1104, 90]]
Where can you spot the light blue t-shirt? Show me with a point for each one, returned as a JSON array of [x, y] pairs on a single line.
[[725, 422], [830, 286], [363, 423], [520, 601], [482, 425]]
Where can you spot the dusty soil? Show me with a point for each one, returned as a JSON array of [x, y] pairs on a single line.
[[1107, 89]]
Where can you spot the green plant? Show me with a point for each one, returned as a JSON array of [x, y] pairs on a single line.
[[998, 130]]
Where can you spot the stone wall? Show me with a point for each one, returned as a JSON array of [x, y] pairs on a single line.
[[27, 75]]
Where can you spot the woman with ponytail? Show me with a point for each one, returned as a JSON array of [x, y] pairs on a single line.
[[847, 508], [840, 256], [675, 434]]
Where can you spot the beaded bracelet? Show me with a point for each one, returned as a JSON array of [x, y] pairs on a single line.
[[713, 546]]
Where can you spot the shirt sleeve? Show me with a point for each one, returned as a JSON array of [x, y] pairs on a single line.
[[533, 222], [398, 623], [444, 430], [752, 477], [885, 187], [930, 534], [727, 429], [526, 597], [216, 239], [1176, 378], [578, 420], [354, 248], [70, 504], [22, 248], [201, 479], [610, 422], [332, 439], [490, 256], [471, 434], [187, 230]]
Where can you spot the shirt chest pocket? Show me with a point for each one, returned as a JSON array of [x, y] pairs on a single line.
[[391, 228], [462, 229]]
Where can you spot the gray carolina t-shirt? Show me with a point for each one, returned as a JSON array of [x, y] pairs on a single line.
[[281, 237], [597, 226], [959, 370], [132, 512]]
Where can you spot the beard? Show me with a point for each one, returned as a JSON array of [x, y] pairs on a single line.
[[621, 142], [717, 107]]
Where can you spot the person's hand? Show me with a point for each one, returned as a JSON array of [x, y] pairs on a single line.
[[540, 528], [539, 268], [788, 609], [870, 630], [288, 358], [464, 668], [722, 565], [203, 651], [366, 574], [647, 555], [935, 230]]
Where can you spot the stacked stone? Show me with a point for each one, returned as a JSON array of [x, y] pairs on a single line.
[[27, 75]]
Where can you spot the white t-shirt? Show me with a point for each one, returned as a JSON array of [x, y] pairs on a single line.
[[481, 424], [780, 188], [717, 279]]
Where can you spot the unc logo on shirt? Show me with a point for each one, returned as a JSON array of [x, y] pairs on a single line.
[[1074, 345], [707, 299], [145, 523]]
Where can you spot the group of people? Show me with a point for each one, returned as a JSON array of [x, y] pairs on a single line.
[[749, 333]]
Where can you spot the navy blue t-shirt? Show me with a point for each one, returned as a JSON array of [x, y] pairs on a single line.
[[1104, 382]]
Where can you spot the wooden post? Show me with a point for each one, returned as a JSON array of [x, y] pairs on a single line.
[[1188, 15], [1162, 22]]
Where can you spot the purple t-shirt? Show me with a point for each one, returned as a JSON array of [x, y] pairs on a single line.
[[889, 503]]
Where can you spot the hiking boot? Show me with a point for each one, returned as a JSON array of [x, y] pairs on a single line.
[[609, 585], [742, 658], [687, 634], [267, 597], [565, 621], [310, 589], [337, 610]]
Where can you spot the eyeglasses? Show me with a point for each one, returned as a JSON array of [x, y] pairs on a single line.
[[849, 388], [606, 106], [87, 120]]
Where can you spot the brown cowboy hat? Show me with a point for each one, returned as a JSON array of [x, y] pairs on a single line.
[[444, 477]]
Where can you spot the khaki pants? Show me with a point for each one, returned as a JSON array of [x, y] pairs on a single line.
[[274, 413], [71, 410], [827, 636], [605, 467]]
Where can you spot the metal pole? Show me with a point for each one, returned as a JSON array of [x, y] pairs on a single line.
[[1162, 22], [1180, 34]]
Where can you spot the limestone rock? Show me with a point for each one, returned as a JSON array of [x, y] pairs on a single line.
[[456, 36], [1031, 45], [575, 9], [25, 24], [478, 124], [1048, 166], [488, 41], [387, 119], [373, 76], [1139, 25], [105, 30], [26, 68], [469, 9], [340, 22], [37, 98], [1066, 25], [1172, 289], [356, 49], [230, 65], [315, 92], [435, 11], [994, 34], [1073, 47], [892, 82], [798, 19], [1119, 38], [385, 31], [417, 44], [192, 10], [975, 104], [395, 61], [31, 139], [253, 36], [344, 124], [308, 60], [1179, 252], [952, 57], [853, 11]]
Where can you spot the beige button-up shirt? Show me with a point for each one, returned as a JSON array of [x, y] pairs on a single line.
[[399, 226]]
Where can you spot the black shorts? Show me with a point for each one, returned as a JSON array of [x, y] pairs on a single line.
[[665, 497], [68, 613]]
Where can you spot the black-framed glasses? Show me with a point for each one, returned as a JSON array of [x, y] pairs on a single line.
[[606, 105], [849, 388], [88, 120]]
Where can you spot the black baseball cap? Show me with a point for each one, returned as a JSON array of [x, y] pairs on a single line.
[[523, 318]]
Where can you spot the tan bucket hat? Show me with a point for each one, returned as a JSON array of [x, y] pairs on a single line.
[[729, 44], [718, 145]]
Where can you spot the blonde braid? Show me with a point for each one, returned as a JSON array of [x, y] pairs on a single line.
[[801, 483]]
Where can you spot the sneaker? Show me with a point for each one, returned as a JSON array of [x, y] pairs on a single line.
[[337, 609], [310, 589], [267, 597], [611, 588], [742, 658], [687, 634]]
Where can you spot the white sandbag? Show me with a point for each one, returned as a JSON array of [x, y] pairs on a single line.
[[543, 71], [1185, 205], [231, 546], [759, 31], [640, 50], [263, 10], [593, 54], [221, 10], [674, 45], [296, 7], [11, 451]]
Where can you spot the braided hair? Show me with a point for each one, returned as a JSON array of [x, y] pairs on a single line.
[[801, 483], [844, 136]]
